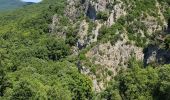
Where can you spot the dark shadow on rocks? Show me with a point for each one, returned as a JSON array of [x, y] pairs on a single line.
[[167, 29], [154, 54], [91, 12], [83, 1]]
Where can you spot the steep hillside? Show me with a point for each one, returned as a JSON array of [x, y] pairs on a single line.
[[31, 62], [85, 50], [112, 32]]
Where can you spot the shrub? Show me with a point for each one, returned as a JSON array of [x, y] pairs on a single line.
[[102, 15]]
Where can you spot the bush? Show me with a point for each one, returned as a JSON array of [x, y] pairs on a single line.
[[102, 15], [57, 49], [102, 31]]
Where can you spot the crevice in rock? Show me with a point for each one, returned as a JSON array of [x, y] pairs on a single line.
[[83, 1], [154, 54], [91, 12], [168, 28]]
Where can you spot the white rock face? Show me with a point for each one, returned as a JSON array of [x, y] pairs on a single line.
[[55, 22], [100, 5], [152, 25], [55, 27], [114, 56], [106, 55], [71, 10], [162, 18], [96, 31], [152, 58], [83, 31], [117, 11]]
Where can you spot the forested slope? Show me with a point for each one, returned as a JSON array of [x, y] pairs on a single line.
[[31, 62], [86, 50]]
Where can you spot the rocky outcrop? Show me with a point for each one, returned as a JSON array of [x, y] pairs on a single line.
[[117, 10], [56, 28], [96, 31], [151, 24], [114, 56], [82, 34], [111, 58], [74, 9]]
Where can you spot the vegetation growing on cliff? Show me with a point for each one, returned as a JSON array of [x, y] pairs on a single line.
[[37, 64], [32, 64], [139, 83]]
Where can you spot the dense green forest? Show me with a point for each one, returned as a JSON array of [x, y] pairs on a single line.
[[32, 61], [38, 65]]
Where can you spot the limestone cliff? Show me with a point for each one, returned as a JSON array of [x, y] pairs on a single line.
[[131, 25]]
